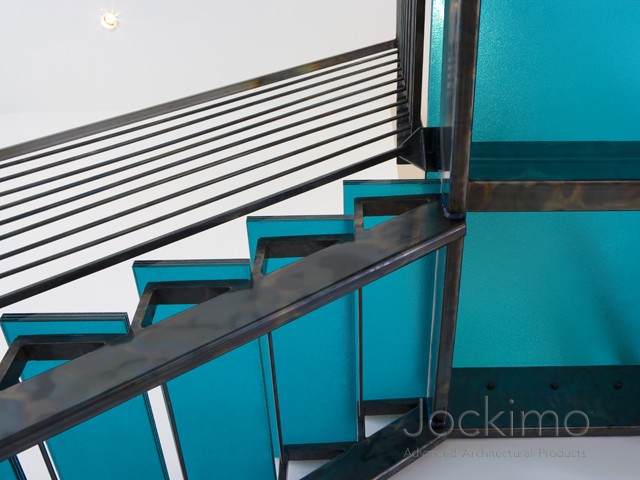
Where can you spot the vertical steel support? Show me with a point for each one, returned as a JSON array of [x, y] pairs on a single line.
[[410, 21], [462, 19], [361, 412], [449, 315], [401, 39], [460, 51], [174, 431], [283, 467], [417, 56], [47, 461]]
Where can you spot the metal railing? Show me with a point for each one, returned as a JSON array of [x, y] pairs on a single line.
[[172, 171]]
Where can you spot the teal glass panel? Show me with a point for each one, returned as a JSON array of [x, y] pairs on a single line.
[[398, 331], [550, 70], [145, 271], [554, 288], [555, 161], [291, 226], [6, 471], [221, 415], [397, 328], [220, 409], [435, 63], [166, 311], [440, 257], [315, 356], [120, 443], [353, 189], [14, 325]]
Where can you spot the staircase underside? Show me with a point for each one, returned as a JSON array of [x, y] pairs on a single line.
[[130, 365], [279, 136]]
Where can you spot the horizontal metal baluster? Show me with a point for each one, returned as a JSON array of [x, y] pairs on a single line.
[[173, 142], [195, 121], [202, 203], [210, 152], [165, 198], [206, 224]]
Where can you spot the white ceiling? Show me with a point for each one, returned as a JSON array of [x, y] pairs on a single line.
[[56, 57]]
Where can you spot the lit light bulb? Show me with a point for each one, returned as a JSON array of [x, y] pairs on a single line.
[[109, 20]]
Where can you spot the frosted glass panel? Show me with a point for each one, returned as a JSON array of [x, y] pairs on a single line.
[[120, 443], [315, 356], [219, 409]]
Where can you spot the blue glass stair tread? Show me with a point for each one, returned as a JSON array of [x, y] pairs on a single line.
[[289, 226], [120, 443], [165, 311], [221, 416], [315, 356], [352, 189], [6, 472], [220, 408], [550, 71], [316, 374], [146, 271], [397, 322], [555, 161], [14, 324], [272, 264], [397, 309], [553, 288]]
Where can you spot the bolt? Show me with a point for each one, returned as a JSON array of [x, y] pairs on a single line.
[[554, 386], [617, 384], [490, 386]]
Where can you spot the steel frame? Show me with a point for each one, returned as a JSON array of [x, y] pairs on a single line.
[[550, 400], [294, 247], [243, 315]]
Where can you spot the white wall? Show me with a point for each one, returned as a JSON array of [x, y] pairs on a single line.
[[56, 58]]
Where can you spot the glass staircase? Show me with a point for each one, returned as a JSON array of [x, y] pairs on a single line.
[[337, 318]]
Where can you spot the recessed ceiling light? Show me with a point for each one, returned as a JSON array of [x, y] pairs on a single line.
[[109, 20]]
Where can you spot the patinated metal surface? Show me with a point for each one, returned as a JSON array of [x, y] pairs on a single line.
[[462, 28], [549, 196], [179, 293], [460, 52], [598, 400], [447, 328], [385, 452]]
